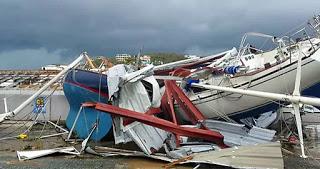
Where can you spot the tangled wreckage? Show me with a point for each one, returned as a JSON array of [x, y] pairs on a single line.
[[221, 109]]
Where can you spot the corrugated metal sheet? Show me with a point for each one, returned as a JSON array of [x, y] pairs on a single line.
[[238, 134], [134, 96], [264, 156]]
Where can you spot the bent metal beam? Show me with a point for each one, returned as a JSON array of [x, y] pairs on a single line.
[[159, 123]]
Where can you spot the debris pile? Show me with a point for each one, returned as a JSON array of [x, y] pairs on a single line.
[[147, 115], [186, 111]]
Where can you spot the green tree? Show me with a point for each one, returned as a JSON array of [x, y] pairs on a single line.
[[162, 58]]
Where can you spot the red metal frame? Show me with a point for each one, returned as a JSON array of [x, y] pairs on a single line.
[[183, 101], [173, 94], [151, 111], [159, 123]]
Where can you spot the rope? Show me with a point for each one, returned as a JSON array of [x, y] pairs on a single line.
[[22, 118], [85, 119], [16, 121], [264, 43], [294, 28], [23, 125], [45, 123], [233, 98], [220, 114], [99, 114]]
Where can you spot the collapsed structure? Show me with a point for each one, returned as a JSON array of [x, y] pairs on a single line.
[[195, 110]]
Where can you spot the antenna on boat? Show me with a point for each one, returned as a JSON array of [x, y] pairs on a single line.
[[137, 64], [314, 23]]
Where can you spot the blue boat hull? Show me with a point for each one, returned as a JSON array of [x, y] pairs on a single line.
[[83, 86]]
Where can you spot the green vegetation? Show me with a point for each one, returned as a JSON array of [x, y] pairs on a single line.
[[112, 60], [97, 62], [131, 60], [161, 58]]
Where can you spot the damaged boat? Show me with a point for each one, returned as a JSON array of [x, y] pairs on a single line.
[[81, 86], [249, 68]]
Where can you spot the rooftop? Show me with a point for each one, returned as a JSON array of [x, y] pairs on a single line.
[[27, 79]]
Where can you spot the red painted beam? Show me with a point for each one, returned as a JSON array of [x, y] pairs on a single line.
[[185, 103], [161, 123], [151, 111], [170, 103]]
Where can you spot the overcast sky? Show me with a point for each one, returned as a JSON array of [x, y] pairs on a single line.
[[38, 32]]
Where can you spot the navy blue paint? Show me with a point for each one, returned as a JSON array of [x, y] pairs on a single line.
[[255, 112], [89, 79], [313, 91]]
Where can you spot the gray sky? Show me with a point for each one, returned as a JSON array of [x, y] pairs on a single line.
[[37, 32]]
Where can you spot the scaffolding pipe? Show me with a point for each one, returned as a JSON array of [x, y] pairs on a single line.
[[5, 105], [89, 61]]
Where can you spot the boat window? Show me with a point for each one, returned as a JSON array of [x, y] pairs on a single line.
[[246, 58]]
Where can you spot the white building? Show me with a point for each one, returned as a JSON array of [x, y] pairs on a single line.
[[122, 57], [145, 60], [190, 56], [53, 67]]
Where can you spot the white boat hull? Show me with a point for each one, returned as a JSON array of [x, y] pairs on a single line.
[[277, 79]]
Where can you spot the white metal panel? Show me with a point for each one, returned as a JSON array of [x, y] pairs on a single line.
[[238, 134]]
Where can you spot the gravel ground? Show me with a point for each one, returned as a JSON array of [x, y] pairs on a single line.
[[8, 158], [295, 162]]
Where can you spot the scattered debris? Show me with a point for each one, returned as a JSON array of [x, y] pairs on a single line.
[[264, 120], [240, 134], [172, 123], [28, 155], [254, 156], [134, 96]]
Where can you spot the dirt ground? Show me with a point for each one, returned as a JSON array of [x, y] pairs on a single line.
[[8, 157]]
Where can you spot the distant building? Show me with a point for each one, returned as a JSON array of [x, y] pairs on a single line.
[[122, 57], [53, 67], [157, 62], [145, 60], [190, 56]]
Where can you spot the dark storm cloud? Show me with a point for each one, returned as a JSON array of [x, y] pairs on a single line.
[[55, 31]]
